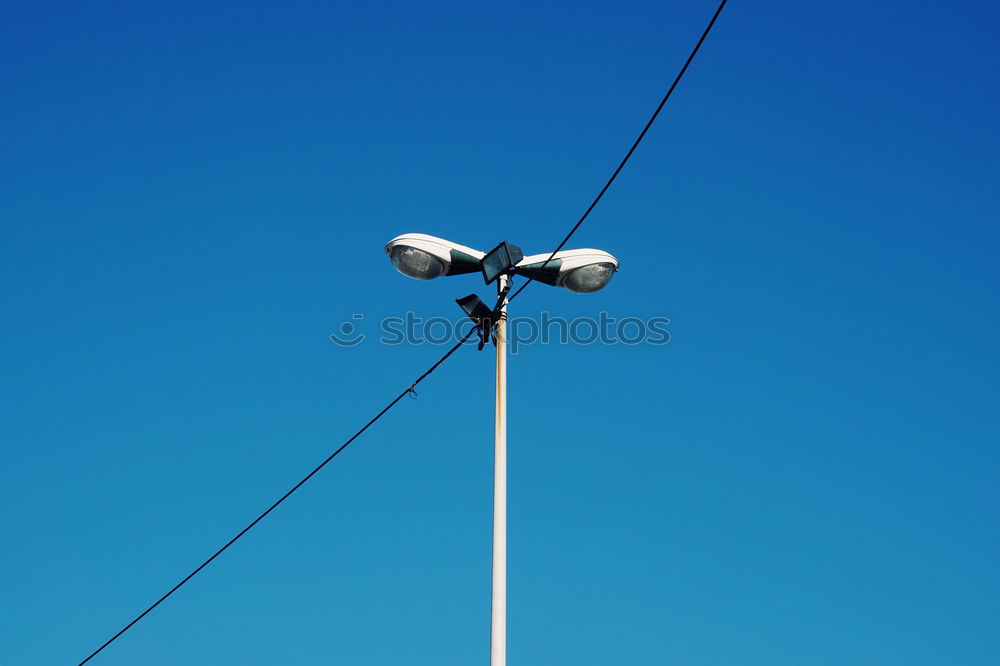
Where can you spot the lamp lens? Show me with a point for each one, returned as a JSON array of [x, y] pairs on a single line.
[[588, 279], [415, 263]]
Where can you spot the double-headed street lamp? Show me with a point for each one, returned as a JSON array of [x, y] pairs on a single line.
[[584, 271]]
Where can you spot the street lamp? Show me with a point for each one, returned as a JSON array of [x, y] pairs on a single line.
[[426, 257]]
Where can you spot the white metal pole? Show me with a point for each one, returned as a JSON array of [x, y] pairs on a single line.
[[498, 630]]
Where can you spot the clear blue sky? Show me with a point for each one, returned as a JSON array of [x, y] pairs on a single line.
[[193, 196]]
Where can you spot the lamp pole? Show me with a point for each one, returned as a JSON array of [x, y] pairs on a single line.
[[585, 271], [498, 628]]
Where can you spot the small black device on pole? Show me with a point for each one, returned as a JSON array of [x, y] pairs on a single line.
[[500, 260]]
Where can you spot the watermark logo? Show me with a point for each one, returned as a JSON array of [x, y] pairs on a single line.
[[349, 335], [545, 329]]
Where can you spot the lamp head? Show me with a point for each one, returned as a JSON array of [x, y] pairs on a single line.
[[581, 271], [426, 257]]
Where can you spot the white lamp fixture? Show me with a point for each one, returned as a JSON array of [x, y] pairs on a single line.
[[582, 271], [426, 257]]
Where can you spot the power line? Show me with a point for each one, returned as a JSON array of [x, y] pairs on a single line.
[[271, 508], [631, 150]]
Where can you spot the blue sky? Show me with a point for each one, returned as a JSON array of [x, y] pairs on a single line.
[[193, 196]]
